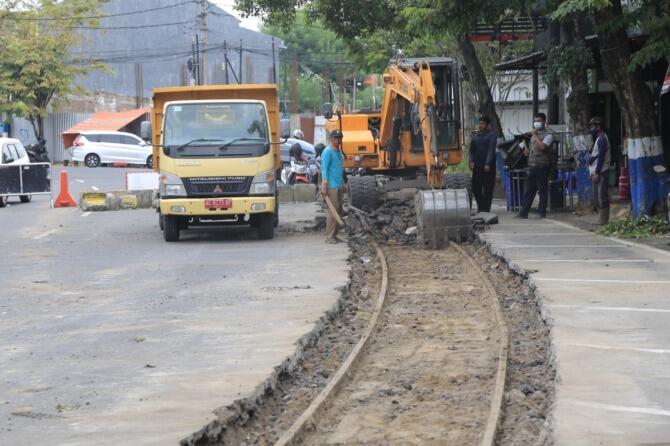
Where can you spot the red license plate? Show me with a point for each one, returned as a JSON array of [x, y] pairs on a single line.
[[219, 203]]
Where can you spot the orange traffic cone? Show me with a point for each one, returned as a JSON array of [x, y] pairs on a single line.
[[64, 199]]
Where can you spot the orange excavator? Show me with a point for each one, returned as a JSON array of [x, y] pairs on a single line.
[[409, 143]]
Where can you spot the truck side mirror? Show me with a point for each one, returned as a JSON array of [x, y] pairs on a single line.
[[327, 110], [145, 130], [285, 128]]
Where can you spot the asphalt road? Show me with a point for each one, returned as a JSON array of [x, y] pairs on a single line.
[[110, 336]]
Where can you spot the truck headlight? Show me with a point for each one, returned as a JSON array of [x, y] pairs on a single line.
[[171, 186], [263, 184]]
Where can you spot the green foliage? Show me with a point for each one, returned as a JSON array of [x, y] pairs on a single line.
[[463, 166], [644, 227], [36, 70], [565, 61], [569, 7], [652, 17]]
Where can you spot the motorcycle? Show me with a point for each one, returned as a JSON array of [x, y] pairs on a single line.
[[37, 153], [299, 172]]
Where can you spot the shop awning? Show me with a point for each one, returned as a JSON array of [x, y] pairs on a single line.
[[113, 121], [524, 63]]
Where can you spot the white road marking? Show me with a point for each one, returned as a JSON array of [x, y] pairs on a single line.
[[596, 308], [86, 214], [553, 279], [559, 246], [616, 408], [46, 234], [593, 260], [663, 351], [527, 234], [628, 243], [79, 181], [94, 188]]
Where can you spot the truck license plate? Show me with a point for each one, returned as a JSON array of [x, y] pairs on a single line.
[[219, 203]]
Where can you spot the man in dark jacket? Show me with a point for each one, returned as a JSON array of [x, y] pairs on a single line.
[[483, 164]]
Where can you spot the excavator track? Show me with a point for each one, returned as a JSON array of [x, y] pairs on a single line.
[[430, 368]]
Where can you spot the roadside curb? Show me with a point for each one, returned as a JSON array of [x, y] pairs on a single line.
[[116, 200], [301, 193]]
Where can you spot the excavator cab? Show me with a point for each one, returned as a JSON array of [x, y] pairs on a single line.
[[444, 73]]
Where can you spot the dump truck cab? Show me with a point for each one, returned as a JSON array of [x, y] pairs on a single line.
[[217, 157]]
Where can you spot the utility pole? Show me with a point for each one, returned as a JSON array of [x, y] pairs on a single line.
[[294, 82], [274, 66], [225, 58], [240, 66], [203, 37], [197, 62]]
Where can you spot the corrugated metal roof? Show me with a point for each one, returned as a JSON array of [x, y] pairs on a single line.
[[108, 120], [103, 121]]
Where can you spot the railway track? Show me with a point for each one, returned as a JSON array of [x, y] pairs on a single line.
[[430, 367]]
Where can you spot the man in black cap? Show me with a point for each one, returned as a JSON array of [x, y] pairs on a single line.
[[482, 164], [333, 184]]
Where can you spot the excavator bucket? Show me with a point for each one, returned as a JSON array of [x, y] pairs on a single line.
[[442, 215]]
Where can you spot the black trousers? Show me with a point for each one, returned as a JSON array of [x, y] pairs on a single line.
[[537, 181], [482, 187], [601, 197]]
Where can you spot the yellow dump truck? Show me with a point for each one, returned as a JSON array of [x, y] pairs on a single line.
[[216, 149]]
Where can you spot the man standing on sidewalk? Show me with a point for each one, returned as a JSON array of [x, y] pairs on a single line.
[[599, 164], [539, 166], [482, 164], [332, 171]]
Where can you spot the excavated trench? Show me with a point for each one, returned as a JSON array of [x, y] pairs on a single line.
[[428, 373]]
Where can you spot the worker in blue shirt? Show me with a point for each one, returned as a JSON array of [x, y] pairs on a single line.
[[334, 182], [483, 164]]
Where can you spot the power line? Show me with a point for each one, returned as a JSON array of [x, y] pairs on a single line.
[[104, 16], [157, 25]]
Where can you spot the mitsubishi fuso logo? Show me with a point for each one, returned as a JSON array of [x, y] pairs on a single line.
[[217, 189]]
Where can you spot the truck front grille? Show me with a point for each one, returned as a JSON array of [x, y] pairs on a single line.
[[217, 186]]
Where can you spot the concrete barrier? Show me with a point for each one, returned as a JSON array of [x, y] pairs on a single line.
[[145, 199], [116, 200], [304, 192]]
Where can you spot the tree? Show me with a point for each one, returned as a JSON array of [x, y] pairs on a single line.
[[403, 20], [37, 71], [622, 66]]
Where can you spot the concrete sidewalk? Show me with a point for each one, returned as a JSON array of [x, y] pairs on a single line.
[[608, 302]]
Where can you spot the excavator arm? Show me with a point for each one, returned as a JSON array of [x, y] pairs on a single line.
[[413, 88]]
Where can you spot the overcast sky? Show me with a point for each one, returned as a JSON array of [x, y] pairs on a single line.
[[227, 5]]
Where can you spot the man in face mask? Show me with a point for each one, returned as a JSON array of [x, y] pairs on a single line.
[[599, 164], [539, 166]]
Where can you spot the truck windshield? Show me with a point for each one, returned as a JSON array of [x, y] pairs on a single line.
[[215, 129]]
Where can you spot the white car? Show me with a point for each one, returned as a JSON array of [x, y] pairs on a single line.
[[12, 152], [95, 148]]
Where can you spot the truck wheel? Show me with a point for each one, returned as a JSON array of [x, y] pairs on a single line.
[[170, 228], [26, 198], [363, 192], [3, 202], [265, 225], [161, 225]]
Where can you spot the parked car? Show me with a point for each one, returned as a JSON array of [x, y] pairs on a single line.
[[95, 148], [307, 150], [12, 152]]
